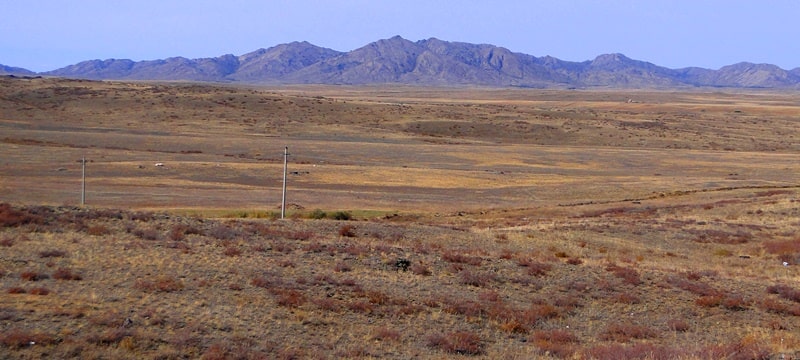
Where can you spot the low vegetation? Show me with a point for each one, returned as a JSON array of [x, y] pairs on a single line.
[[313, 288]]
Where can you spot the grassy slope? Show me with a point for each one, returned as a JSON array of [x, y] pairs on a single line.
[[567, 224]]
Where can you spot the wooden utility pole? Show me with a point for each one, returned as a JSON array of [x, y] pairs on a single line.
[[283, 199], [83, 181]]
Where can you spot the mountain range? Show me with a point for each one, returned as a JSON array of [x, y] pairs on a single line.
[[430, 62]]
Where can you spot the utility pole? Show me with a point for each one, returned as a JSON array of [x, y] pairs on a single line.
[[83, 181], [283, 199]]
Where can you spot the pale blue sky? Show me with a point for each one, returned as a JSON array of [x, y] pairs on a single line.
[[43, 35]]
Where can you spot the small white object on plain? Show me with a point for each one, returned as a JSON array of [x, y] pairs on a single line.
[[785, 263]]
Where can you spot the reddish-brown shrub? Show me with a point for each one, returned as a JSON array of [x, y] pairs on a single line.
[[464, 307], [33, 276], [538, 312], [347, 230], [475, 278], [460, 342], [66, 274], [290, 298], [778, 307], [554, 336], [735, 303], [10, 217], [623, 332], [300, 235], [39, 291], [574, 261], [628, 275], [355, 250], [16, 290], [722, 237], [147, 234], [535, 268], [232, 251], [454, 257], [52, 253], [342, 266], [420, 269], [739, 350], [361, 306], [785, 292], [641, 351], [627, 298], [7, 242], [98, 230], [20, 338], [327, 304], [788, 249], [160, 284], [678, 325], [709, 300], [695, 287], [383, 333]]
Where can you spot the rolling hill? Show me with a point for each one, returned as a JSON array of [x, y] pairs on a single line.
[[425, 62]]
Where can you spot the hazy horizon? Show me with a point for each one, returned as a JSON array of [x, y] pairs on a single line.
[[45, 35]]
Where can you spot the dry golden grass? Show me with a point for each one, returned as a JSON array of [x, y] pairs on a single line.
[[489, 223]]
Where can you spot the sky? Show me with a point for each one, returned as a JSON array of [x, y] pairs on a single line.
[[43, 35]]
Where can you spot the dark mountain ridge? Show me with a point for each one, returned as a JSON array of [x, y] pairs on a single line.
[[425, 62]]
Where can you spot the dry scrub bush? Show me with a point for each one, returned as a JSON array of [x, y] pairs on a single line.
[[66, 274], [476, 278], [19, 338], [98, 230], [788, 251], [785, 292], [628, 275], [52, 253], [454, 257], [9, 217], [624, 332], [39, 291], [33, 276], [460, 342], [160, 284], [290, 298], [385, 334], [347, 231]]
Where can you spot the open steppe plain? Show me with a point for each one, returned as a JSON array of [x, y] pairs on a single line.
[[423, 222]]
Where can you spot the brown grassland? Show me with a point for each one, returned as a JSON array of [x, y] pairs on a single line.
[[423, 222]]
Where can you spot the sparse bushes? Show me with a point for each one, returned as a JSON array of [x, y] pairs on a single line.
[[20, 338], [33, 276], [66, 274], [347, 231], [460, 342], [290, 298], [785, 292], [420, 269], [454, 257], [475, 278], [341, 215], [52, 253], [317, 214], [10, 217], [232, 251], [385, 334], [624, 332], [559, 343], [98, 230], [160, 284], [39, 291], [628, 275]]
